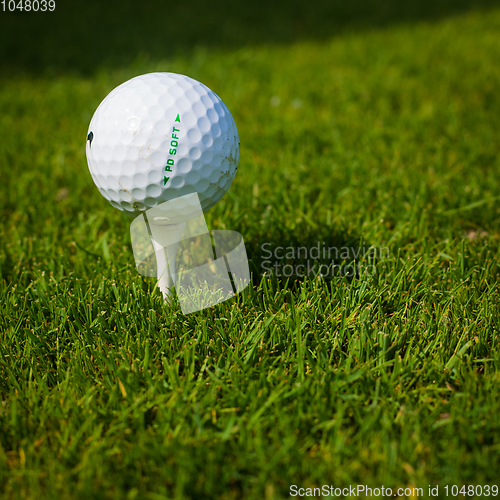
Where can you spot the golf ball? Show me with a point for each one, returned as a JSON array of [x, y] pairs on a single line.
[[160, 136]]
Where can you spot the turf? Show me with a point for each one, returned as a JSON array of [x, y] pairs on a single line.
[[370, 132]]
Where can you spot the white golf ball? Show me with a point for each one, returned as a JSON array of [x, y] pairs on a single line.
[[160, 136]]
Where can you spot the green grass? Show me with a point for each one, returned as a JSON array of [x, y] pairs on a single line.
[[382, 134]]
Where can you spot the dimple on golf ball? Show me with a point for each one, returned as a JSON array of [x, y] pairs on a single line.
[[160, 136]]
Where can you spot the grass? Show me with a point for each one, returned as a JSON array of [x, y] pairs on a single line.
[[383, 135]]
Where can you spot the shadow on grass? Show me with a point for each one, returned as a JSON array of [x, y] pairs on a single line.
[[84, 36]]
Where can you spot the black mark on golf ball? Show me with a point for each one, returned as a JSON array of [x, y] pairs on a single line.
[[90, 138]]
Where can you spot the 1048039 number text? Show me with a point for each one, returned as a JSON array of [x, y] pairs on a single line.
[[28, 5]]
